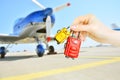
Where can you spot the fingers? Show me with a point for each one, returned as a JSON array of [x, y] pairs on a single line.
[[83, 29], [82, 24], [82, 35], [79, 27], [78, 20], [83, 19]]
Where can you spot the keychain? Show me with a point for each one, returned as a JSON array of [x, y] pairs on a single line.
[[62, 35], [72, 46]]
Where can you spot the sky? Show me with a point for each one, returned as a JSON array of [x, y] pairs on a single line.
[[105, 10]]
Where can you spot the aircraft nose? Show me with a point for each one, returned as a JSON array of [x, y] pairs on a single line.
[[48, 11]]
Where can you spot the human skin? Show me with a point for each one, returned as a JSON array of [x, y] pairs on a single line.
[[89, 25]]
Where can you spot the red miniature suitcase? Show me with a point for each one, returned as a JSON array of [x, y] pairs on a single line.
[[72, 47]]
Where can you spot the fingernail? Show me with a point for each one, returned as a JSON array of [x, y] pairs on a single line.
[[74, 27]]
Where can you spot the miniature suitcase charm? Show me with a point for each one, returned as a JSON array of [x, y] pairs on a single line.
[[72, 47], [62, 35]]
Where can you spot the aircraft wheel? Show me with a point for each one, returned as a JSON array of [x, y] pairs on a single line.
[[40, 50], [2, 52], [51, 50], [3, 55]]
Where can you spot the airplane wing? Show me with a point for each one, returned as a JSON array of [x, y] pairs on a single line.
[[7, 39]]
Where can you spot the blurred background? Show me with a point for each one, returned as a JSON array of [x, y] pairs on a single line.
[[105, 10]]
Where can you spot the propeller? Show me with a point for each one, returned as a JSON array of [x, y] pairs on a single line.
[[40, 5], [61, 7], [48, 28], [49, 12], [48, 19]]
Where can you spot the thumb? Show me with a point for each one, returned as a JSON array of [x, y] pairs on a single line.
[[79, 27]]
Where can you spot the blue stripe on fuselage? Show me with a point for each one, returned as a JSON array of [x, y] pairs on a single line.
[[36, 16]]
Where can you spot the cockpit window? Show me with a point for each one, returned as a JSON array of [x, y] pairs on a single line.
[[18, 20]]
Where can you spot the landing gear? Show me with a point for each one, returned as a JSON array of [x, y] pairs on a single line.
[[40, 50], [2, 52], [51, 50]]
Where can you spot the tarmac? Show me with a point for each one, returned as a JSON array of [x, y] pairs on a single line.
[[95, 63]]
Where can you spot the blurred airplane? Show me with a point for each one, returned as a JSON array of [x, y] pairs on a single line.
[[115, 27], [35, 27]]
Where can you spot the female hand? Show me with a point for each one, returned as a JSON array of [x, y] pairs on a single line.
[[89, 25]]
